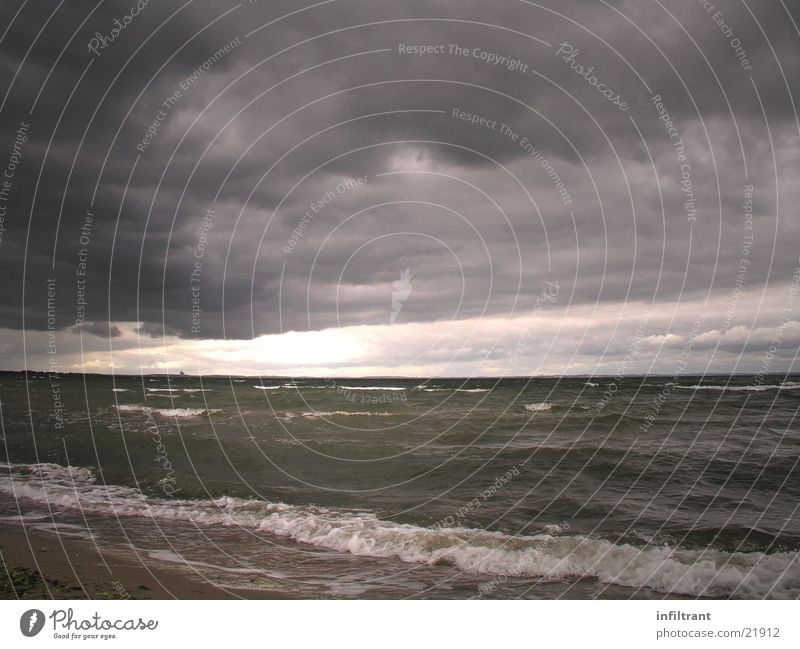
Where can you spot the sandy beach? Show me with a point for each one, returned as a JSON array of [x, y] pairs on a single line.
[[38, 565]]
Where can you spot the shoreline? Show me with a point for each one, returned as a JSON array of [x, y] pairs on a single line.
[[40, 565]]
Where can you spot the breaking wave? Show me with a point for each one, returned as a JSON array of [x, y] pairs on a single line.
[[538, 407], [342, 413], [371, 387], [454, 389], [551, 556], [188, 390], [169, 412], [788, 385]]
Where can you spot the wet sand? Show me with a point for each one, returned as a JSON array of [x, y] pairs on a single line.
[[40, 565]]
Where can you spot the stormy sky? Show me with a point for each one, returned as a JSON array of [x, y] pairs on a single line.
[[443, 187]]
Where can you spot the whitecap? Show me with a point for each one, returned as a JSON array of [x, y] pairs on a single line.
[[344, 413], [788, 385], [168, 412], [707, 572], [369, 387], [538, 407]]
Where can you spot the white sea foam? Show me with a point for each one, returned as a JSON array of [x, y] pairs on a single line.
[[370, 387], [591, 384], [554, 529], [287, 386], [172, 557], [538, 407], [168, 412], [119, 389], [788, 385], [188, 390], [344, 413], [23, 518], [455, 389], [544, 556], [63, 529]]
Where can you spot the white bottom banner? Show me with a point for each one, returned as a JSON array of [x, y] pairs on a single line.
[[400, 624]]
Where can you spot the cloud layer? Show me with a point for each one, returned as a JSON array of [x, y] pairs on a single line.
[[198, 180]]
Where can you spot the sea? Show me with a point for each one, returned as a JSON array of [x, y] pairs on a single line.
[[390, 488]]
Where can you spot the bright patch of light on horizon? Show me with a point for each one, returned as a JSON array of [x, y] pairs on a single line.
[[330, 346]]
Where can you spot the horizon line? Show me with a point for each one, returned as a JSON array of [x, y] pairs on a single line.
[[396, 377]]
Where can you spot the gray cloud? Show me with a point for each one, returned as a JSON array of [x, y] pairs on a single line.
[[268, 131], [101, 329]]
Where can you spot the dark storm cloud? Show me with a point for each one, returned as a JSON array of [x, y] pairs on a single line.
[[101, 329], [157, 128]]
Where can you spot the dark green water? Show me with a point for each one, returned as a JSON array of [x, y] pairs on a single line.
[[639, 487]]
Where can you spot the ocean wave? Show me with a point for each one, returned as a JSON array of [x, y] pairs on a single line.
[[344, 413], [169, 412], [370, 387], [788, 385], [455, 389], [23, 518], [119, 389], [63, 530], [171, 557], [538, 407], [287, 386], [188, 390], [546, 556], [591, 384]]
